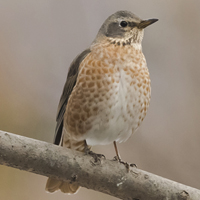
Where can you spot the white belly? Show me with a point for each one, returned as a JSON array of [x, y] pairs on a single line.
[[122, 113]]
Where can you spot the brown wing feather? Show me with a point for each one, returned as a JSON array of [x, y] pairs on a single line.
[[69, 85]]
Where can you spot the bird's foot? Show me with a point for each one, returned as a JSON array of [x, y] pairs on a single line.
[[126, 164], [97, 157]]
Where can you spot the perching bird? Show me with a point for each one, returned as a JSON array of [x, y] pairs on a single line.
[[107, 92]]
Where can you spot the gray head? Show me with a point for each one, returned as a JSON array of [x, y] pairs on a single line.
[[123, 26]]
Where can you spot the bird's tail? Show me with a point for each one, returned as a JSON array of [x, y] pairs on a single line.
[[65, 187], [53, 184]]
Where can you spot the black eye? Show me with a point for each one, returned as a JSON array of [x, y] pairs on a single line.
[[123, 23]]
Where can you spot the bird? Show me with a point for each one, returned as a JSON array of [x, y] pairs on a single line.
[[107, 91]]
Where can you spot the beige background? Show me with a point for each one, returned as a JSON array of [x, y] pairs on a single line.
[[38, 41]]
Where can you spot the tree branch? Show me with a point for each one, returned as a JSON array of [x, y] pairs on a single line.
[[102, 175]]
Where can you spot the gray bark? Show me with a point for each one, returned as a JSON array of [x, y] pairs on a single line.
[[107, 176]]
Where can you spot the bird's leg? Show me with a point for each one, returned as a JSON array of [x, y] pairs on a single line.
[[88, 151], [117, 157], [87, 148], [117, 152]]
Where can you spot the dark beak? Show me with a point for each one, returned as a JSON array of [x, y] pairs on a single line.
[[145, 23]]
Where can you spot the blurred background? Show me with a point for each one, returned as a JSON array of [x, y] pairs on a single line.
[[38, 41]]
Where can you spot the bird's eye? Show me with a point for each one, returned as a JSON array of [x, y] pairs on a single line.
[[123, 23]]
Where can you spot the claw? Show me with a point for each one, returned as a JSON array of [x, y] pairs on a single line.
[[122, 162], [126, 164], [115, 158], [133, 165], [96, 156]]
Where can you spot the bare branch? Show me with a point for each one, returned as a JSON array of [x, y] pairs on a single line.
[[102, 175]]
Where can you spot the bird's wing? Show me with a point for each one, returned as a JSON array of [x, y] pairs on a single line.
[[69, 85]]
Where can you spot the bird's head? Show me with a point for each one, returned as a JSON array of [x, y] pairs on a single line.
[[123, 28]]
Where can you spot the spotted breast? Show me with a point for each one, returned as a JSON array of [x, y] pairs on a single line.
[[111, 96]]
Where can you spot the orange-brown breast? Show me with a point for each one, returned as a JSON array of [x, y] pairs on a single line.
[[111, 96]]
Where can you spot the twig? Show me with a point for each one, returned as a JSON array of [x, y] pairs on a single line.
[[102, 175]]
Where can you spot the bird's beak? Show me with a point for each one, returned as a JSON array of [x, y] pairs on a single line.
[[145, 23]]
